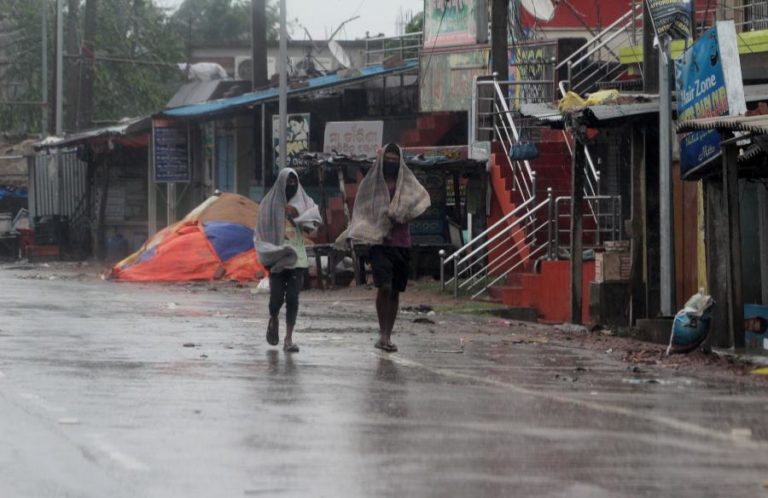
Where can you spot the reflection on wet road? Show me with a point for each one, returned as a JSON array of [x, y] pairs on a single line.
[[154, 391]]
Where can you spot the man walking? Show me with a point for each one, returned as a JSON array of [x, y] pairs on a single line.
[[285, 214], [388, 198]]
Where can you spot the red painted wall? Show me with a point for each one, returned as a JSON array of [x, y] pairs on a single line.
[[593, 13]]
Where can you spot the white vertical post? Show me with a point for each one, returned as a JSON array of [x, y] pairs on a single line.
[[44, 61], [59, 67], [666, 208], [283, 96]]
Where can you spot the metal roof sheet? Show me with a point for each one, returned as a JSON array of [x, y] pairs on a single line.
[[313, 84], [128, 126], [755, 124]]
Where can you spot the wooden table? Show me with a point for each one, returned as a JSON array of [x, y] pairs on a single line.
[[334, 255]]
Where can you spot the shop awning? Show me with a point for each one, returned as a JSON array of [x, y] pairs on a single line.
[[229, 105]]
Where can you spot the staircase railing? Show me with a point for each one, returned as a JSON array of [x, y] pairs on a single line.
[[512, 241], [607, 226], [495, 118], [597, 61]]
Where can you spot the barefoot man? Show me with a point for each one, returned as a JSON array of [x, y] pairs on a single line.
[[388, 198]]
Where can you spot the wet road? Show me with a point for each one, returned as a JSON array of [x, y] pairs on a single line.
[[99, 397]]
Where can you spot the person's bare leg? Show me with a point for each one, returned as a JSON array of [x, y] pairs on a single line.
[[382, 309], [394, 307]]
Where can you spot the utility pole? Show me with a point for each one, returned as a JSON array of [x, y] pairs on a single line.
[[44, 82], [87, 66], [499, 38], [577, 224], [59, 67], [666, 207], [71, 85], [259, 76], [283, 96]]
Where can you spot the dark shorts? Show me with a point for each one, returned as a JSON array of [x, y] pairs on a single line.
[[391, 266]]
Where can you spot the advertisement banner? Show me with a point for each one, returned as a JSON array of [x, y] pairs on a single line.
[[297, 138], [708, 84], [671, 18], [447, 79], [353, 138], [450, 22], [170, 152]]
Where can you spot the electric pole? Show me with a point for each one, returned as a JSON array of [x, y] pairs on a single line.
[[259, 76], [44, 82], [283, 96], [59, 67], [499, 38]]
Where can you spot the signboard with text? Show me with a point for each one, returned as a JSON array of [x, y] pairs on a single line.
[[708, 83], [450, 22], [296, 139], [170, 152], [671, 17], [353, 138]]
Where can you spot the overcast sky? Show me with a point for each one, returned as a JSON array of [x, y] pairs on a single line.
[[321, 17]]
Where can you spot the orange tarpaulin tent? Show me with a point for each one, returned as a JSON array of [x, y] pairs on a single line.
[[215, 241]]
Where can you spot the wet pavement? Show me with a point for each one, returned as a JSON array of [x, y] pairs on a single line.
[[125, 390]]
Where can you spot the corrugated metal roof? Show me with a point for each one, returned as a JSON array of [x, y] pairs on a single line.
[[313, 84], [621, 111], [549, 113], [126, 127], [755, 124]]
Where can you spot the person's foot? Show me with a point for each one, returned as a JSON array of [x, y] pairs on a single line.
[[290, 347], [387, 346], [273, 335]]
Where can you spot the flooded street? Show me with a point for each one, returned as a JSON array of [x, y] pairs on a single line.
[[170, 391]]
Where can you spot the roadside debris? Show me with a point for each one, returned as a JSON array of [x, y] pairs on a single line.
[[189, 345], [691, 325], [565, 378], [424, 320], [421, 309], [570, 328]]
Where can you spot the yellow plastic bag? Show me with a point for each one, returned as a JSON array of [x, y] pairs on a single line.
[[571, 102], [603, 97]]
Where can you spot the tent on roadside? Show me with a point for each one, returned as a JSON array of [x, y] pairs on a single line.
[[215, 241]]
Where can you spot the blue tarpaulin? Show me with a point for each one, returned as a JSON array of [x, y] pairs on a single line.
[[7, 192]]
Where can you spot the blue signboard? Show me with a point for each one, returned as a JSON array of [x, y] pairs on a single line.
[[709, 84], [171, 153]]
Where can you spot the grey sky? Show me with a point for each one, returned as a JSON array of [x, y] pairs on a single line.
[[321, 17]]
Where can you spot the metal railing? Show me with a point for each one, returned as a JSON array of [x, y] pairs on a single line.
[[406, 47], [597, 61], [749, 15], [529, 233], [606, 222]]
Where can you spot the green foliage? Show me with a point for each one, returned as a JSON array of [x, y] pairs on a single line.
[[416, 24], [20, 71], [134, 30]]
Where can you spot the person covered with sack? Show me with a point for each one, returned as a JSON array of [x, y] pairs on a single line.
[[286, 215], [388, 199]]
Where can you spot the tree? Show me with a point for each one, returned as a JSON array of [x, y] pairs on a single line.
[[134, 51], [205, 22], [416, 24]]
